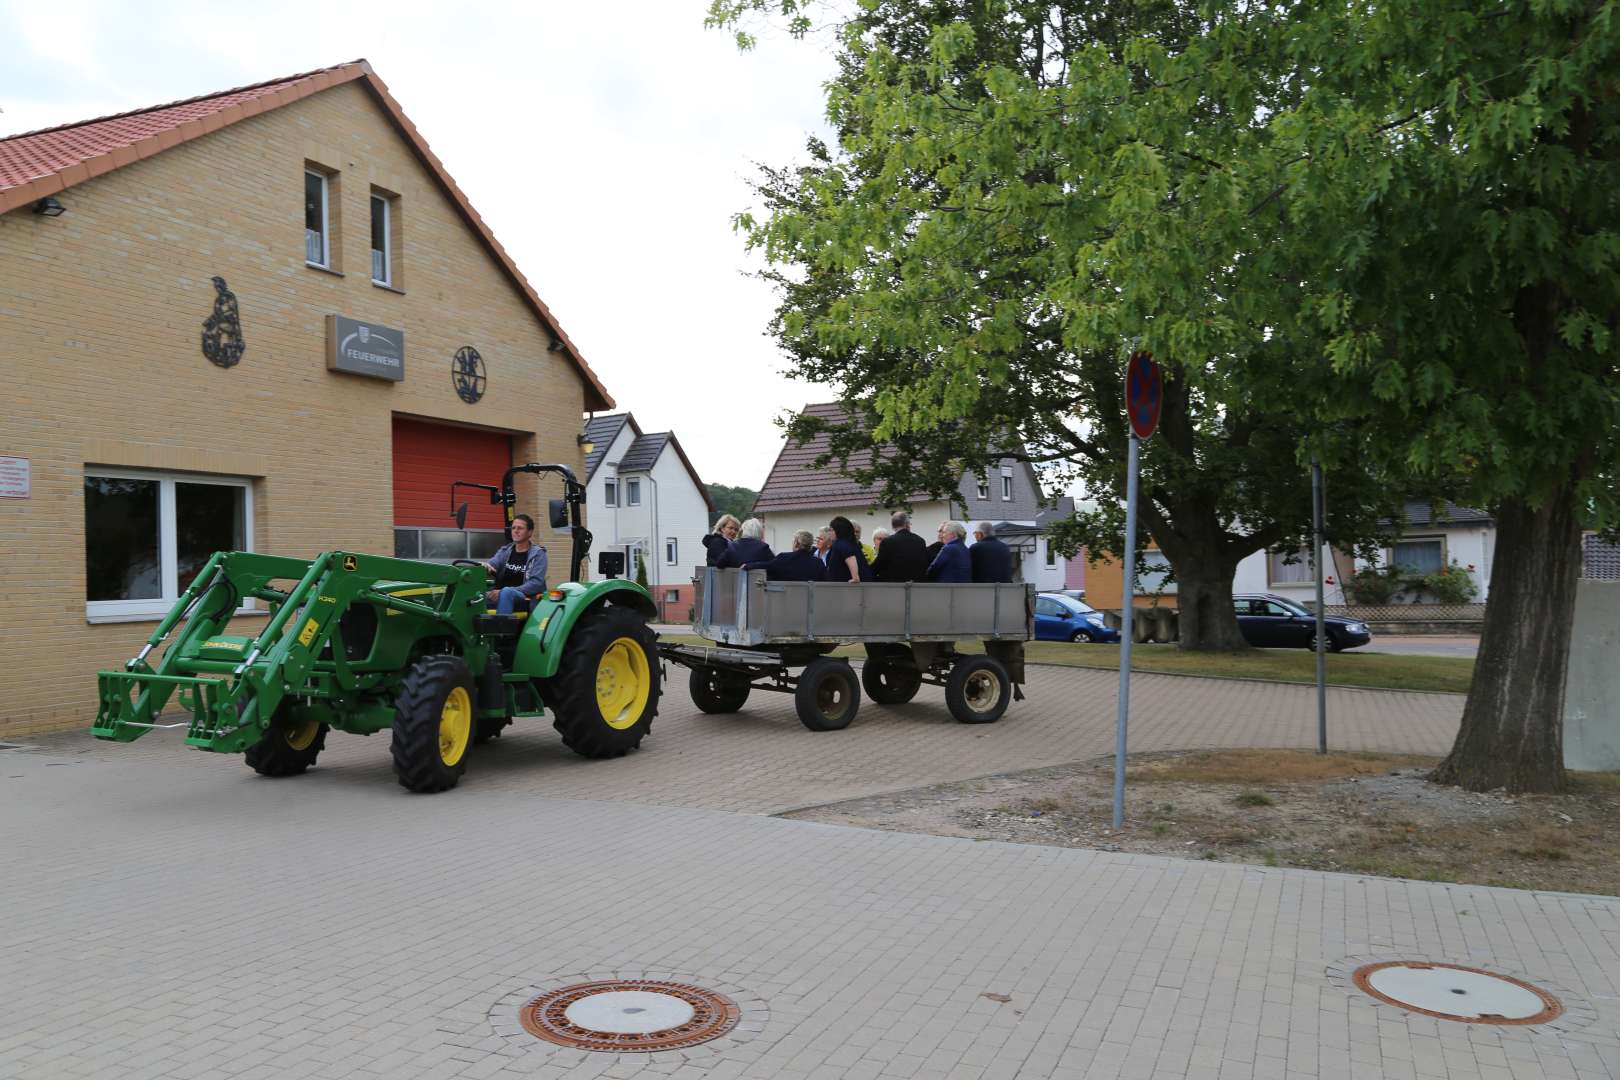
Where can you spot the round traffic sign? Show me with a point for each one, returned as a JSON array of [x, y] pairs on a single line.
[[1144, 394]]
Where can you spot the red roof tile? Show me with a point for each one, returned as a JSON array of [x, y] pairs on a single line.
[[40, 163], [796, 483]]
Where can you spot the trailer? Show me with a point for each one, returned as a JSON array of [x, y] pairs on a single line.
[[777, 636]]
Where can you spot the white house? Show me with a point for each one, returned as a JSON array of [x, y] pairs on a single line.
[[797, 495], [1430, 538], [643, 497]]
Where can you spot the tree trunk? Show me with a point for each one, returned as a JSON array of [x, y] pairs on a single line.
[[1204, 594], [1512, 732]]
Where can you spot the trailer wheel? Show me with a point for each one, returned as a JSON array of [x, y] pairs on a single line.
[[978, 690], [433, 724], [890, 684], [607, 685], [828, 695], [716, 691], [289, 746]]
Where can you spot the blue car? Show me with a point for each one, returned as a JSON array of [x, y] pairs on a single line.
[[1063, 618]]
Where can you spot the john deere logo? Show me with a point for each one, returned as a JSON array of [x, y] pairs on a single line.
[[350, 562]]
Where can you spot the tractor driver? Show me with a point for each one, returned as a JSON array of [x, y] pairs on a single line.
[[519, 569]]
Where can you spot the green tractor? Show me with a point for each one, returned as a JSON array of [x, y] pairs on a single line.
[[362, 643]]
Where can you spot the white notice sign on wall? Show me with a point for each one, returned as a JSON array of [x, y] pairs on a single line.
[[13, 478]]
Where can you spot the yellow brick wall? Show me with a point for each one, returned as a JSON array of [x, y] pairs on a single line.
[[101, 314]]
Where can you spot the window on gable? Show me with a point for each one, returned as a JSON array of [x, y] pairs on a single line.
[[632, 492], [984, 487], [317, 219], [672, 548], [382, 241], [1006, 487], [610, 492]]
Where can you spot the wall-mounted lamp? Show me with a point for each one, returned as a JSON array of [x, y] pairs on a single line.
[[49, 207], [556, 345], [585, 443]]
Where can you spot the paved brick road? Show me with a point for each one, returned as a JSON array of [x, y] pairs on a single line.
[[169, 915], [763, 760]]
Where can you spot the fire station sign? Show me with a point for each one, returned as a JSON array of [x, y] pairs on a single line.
[[14, 478], [377, 352]]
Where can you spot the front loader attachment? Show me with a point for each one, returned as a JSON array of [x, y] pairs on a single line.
[[232, 688]]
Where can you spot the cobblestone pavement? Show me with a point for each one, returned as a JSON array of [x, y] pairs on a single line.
[[763, 760], [170, 915]]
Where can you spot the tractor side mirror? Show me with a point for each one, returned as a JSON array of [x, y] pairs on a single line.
[[461, 516], [559, 513], [610, 564]]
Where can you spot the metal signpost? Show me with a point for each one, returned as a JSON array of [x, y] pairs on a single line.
[[1321, 620], [1144, 394]]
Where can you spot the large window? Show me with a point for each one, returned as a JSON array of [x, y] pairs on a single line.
[[1290, 567], [147, 534], [1419, 555], [443, 545], [317, 220], [382, 248]]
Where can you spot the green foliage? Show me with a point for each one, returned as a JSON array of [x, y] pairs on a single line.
[[641, 570], [736, 501], [1451, 585], [1375, 585]]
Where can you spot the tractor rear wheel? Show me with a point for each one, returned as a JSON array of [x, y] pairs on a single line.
[[605, 692], [716, 691], [890, 684], [290, 744], [433, 724]]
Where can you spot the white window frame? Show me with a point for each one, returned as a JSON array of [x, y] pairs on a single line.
[[387, 238], [984, 489], [1275, 568], [632, 493], [1051, 553], [1006, 488], [610, 492], [326, 221], [672, 550], [152, 610], [1439, 538]]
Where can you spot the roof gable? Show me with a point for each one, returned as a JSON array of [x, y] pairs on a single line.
[[600, 431], [795, 482], [39, 163]]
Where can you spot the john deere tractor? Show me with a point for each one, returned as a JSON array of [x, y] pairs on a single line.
[[362, 643]]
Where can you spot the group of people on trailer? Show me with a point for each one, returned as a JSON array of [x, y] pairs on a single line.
[[835, 552]]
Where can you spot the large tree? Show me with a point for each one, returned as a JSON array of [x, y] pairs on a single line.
[[933, 268], [1417, 198]]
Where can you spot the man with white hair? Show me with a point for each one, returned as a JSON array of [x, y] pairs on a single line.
[[800, 564], [991, 558], [824, 543], [748, 547], [904, 555], [878, 537], [952, 564]]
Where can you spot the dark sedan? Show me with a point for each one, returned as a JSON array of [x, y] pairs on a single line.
[[1274, 622]]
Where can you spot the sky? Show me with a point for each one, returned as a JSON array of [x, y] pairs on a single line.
[[607, 146]]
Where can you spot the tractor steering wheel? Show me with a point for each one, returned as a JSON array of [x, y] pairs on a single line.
[[469, 562]]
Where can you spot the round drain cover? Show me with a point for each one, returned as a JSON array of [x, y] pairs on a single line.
[[636, 1014], [1451, 992]]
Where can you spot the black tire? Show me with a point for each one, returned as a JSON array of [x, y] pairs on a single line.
[[978, 690], [434, 719], [1081, 637], [828, 695], [606, 641], [890, 684], [1332, 645], [716, 691], [289, 745]]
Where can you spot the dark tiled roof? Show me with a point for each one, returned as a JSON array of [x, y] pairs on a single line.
[[35, 164], [795, 482], [643, 452], [1420, 513], [1060, 512], [1600, 560], [601, 431]]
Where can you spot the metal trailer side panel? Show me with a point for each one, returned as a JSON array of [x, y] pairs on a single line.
[[738, 608]]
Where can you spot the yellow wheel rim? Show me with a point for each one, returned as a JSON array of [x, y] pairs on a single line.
[[455, 725], [623, 683], [301, 736]]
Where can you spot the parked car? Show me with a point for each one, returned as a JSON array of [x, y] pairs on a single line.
[[1063, 618], [1275, 622]]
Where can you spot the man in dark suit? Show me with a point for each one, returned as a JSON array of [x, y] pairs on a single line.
[[903, 555], [992, 559], [952, 565], [800, 564], [747, 548]]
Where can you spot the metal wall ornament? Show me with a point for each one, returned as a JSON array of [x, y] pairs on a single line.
[[222, 332], [468, 375]]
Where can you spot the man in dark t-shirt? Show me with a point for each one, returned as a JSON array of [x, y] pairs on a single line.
[[519, 569]]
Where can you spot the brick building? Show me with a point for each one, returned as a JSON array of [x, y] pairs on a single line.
[[263, 319]]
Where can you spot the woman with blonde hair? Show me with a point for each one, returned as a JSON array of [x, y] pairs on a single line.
[[716, 543], [748, 547]]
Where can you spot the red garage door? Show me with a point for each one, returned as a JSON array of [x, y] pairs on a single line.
[[429, 457]]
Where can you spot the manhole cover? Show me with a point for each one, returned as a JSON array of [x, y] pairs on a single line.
[[635, 1014], [1451, 992]]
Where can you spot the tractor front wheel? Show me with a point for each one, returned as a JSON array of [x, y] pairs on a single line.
[[433, 724], [289, 746], [605, 692]]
